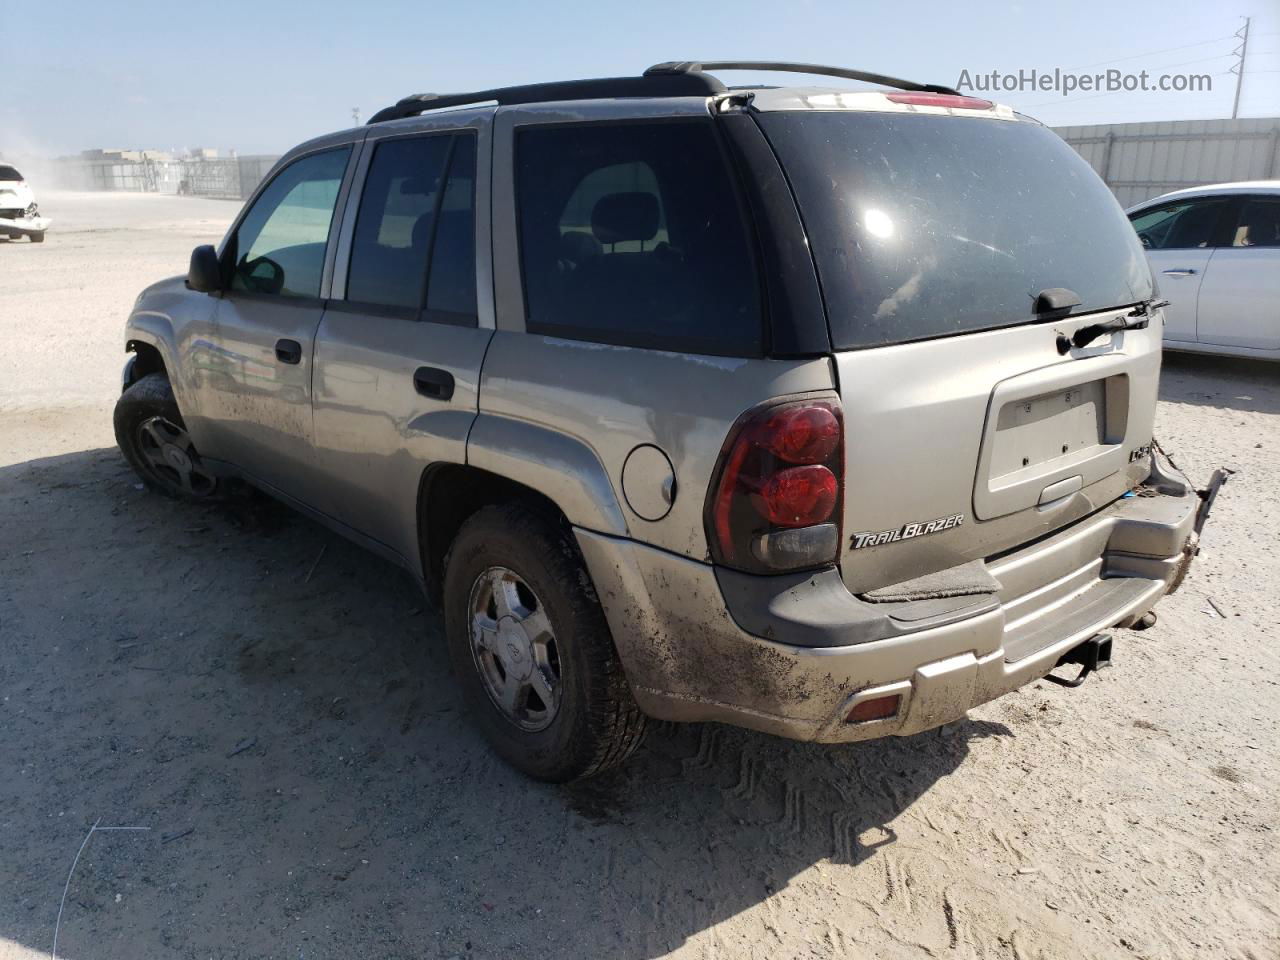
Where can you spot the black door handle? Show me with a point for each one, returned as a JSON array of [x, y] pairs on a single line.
[[288, 351], [433, 382]]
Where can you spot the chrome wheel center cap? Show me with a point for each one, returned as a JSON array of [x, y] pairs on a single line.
[[517, 656], [177, 458]]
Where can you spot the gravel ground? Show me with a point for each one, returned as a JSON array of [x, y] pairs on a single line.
[[274, 707]]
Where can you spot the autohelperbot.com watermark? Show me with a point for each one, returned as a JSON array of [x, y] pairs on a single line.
[[1066, 83]]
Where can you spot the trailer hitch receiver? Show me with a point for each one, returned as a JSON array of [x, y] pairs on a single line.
[[1093, 654]]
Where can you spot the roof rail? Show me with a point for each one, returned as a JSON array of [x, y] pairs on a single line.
[[678, 68], [674, 84]]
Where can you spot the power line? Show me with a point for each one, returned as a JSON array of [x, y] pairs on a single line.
[[1152, 53]]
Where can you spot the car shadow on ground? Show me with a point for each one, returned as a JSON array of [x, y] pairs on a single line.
[[275, 705], [1218, 382]]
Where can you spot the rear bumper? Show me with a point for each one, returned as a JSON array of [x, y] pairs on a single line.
[[792, 656]]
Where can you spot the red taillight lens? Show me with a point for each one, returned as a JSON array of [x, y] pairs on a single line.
[[955, 101], [797, 497], [776, 503], [808, 434]]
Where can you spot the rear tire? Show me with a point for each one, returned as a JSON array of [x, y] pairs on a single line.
[[524, 627], [153, 438]]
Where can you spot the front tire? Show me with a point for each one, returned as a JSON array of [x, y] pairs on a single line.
[[153, 438], [532, 650], [37, 237]]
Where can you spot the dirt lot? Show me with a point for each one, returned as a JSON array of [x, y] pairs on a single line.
[[273, 705]]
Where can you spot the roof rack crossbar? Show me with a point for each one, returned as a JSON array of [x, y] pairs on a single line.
[[659, 85], [693, 68]]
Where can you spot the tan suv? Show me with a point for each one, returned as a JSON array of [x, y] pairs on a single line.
[[822, 412]]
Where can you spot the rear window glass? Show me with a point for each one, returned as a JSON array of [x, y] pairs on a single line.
[[631, 233], [9, 173], [1259, 224], [926, 226]]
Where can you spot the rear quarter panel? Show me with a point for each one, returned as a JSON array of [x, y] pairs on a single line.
[[612, 399]]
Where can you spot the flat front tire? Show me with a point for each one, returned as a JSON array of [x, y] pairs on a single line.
[[531, 647], [153, 438]]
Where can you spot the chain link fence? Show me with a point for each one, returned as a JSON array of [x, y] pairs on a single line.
[[229, 178]]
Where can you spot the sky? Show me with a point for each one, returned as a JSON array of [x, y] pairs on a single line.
[[260, 77]]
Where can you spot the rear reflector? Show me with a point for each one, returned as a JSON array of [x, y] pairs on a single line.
[[941, 100], [875, 709]]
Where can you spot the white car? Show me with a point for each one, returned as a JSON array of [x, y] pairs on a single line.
[[1215, 254], [19, 215]]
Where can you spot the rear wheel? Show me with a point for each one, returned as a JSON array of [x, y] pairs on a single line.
[[532, 650], [153, 438]]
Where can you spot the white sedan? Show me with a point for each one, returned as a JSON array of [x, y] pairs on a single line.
[[1215, 254], [19, 215]]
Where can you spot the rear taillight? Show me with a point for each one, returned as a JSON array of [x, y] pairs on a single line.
[[775, 505], [953, 100]]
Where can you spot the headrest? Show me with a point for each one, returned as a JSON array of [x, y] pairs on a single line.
[[421, 235], [618, 217], [578, 245]]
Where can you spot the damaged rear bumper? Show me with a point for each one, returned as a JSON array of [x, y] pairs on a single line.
[[795, 655]]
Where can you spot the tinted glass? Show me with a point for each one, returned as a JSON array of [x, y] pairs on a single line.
[[1178, 226], [281, 241], [395, 222], [1259, 224], [451, 292], [632, 233], [9, 173], [927, 226]]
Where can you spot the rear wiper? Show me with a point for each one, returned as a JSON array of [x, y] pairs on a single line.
[[1135, 319]]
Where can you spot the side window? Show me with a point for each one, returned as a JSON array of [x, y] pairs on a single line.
[[395, 222], [451, 289], [280, 244], [632, 233], [413, 238], [1179, 226], [1259, 223], [635, 177]]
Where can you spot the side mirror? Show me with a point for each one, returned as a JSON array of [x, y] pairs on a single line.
[[205, 272]]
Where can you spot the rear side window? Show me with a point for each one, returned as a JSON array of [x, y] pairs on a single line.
[[632, 233], [9, 173], [1185, 225], [451, 289], [1259, 224], [414, 237], [395, 222], [930, 226]]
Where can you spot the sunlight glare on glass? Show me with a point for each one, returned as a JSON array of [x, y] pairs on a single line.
[[878, 224]]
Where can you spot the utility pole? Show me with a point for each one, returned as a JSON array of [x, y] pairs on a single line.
[[1238, 69], [355, 114]]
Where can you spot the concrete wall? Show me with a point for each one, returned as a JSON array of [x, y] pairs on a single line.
[[1143, 160]]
